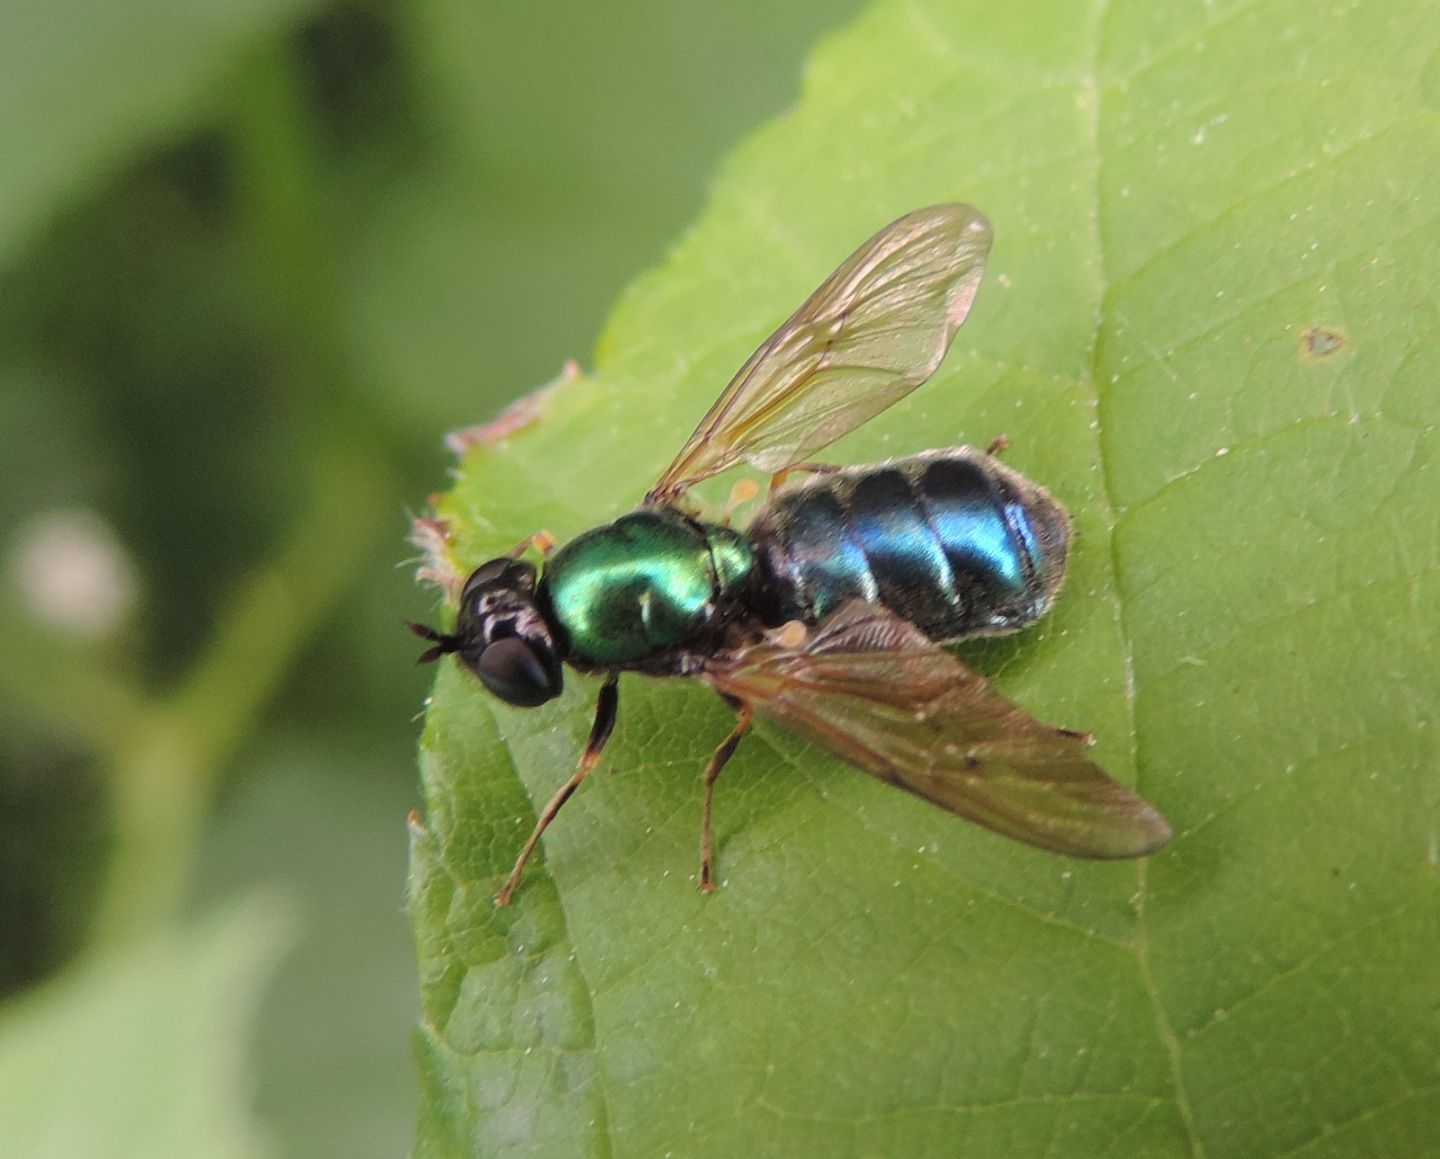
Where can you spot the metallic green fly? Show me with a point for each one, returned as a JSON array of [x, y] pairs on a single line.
[[827, 613]]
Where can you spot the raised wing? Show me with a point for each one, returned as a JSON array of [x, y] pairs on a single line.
[[874, 331], [872, 689]]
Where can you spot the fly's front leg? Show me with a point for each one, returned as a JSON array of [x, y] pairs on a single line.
[[743, 716], [542, 541], [605, 711]]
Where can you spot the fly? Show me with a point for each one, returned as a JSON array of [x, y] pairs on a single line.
[[827, 613]]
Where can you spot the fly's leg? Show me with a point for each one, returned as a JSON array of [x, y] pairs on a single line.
[[605, 709], [542, 541], [743, 716], [997, 444], [777, 480]]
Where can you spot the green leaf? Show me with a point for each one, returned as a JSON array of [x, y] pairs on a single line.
[[1209, 326], [141, 1053]]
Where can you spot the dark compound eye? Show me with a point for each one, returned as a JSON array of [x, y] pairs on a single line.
[[499, 575], [519, 673]]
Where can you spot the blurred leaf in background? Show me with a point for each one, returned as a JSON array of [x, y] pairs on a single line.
[[256, 256], [1209, 325]]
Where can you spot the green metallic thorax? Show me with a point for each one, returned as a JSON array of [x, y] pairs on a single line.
[[646, 584]]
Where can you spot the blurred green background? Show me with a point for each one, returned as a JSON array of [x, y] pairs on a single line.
[[256, 258]]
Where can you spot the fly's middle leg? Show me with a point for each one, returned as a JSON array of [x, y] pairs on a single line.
[[743, 716]]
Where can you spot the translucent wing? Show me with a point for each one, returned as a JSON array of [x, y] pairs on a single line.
[[872, 689], [874, 331]]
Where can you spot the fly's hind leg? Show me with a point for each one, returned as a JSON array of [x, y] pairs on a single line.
[[743, 717], [777, 480], [605, 711], [997, 444]]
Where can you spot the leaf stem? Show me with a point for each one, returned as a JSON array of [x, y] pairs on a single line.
[[165, 770]]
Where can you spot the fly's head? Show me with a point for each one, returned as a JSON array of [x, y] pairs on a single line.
[[501, 635]]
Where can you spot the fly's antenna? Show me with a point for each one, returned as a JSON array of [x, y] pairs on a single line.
[[444, 644]]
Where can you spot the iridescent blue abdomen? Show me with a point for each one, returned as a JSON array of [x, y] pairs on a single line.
[[951, 540]]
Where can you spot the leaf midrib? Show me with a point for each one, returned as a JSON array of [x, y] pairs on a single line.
[[1092, 92]]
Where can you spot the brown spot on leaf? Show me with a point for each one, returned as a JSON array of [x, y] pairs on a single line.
[[1318, 342]]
